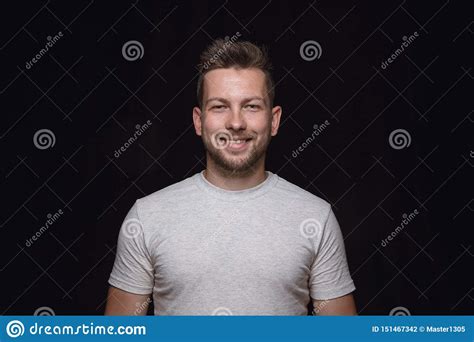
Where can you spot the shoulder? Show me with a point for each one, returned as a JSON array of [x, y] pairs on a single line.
[[296, 195], [171, 196]]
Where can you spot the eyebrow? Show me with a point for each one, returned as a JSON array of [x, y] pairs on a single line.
[[245, 100]]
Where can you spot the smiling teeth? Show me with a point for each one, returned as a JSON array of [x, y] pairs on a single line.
[[237, 141]]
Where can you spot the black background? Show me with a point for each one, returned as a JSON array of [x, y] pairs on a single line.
[[91, 98]]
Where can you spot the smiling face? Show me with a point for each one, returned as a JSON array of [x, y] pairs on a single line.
[[236, 121]]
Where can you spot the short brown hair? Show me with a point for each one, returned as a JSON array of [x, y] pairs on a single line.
[[227, 53]]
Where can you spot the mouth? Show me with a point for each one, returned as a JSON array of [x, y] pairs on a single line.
[[238, 144]]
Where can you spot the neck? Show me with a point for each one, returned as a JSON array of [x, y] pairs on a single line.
[[230, 180]]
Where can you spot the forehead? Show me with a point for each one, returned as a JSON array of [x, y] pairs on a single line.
[[233, 82]]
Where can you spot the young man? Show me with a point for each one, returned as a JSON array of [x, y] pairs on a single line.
[[233, 239]]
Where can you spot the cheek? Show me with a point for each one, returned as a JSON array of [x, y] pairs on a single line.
[[263, 127], [263, 133], [212, 125], [208, 128]]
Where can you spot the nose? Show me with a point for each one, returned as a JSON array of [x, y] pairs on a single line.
[[236, 121]]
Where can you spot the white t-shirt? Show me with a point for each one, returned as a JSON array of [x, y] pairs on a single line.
[[203, 250]]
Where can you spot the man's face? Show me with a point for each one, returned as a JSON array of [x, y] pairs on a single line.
[[236, 122]]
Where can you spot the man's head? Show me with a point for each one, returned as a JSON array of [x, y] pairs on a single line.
[[235, 95]]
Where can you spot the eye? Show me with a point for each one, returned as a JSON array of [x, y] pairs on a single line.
[[253, 107], [218, 108]]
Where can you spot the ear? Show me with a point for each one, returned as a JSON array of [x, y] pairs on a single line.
[[197, 120], [276, 115]]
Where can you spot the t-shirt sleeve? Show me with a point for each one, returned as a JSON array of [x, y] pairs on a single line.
[[133, 269], [330, 277]]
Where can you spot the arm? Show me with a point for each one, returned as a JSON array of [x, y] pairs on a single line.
[[132, 277], [342, 306], [122, 303], [329, 275]]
